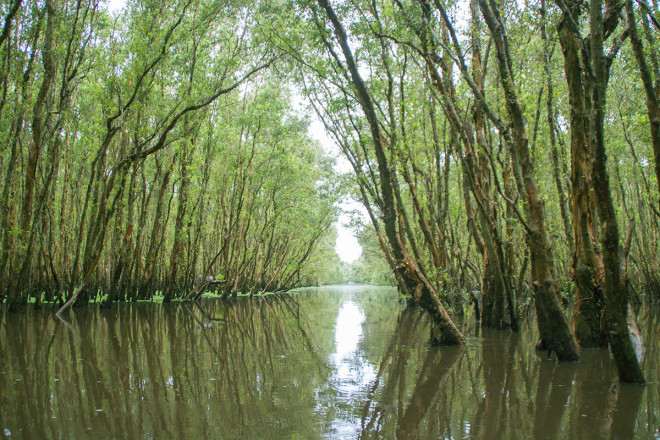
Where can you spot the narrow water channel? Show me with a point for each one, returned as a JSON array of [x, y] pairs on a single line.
[[352, 373], [337, 363]]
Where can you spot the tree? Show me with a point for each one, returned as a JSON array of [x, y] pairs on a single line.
[[587, 73]]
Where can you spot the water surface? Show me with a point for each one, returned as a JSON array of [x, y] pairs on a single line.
[[337, 362]]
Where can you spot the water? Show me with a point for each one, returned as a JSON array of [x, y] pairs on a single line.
[[334, 363]]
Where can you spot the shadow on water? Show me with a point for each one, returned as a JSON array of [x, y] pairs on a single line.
[[340, 362]]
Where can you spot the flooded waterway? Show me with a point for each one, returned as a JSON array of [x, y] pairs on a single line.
[[337, 362]]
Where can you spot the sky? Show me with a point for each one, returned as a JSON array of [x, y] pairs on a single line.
[[116, 5], [347, 246]]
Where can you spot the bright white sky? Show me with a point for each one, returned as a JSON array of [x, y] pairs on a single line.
[[116, 5], [347, 246]]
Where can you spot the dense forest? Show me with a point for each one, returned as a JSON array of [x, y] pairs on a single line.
[[148, 151], [506, 153]]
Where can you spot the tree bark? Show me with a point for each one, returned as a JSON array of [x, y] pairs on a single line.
[[587, 268], [616, 309], [415, 282], [553, 328], [40, 119], [552, 122], [497, 286]]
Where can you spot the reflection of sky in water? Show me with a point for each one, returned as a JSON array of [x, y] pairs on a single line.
[[351, 376]]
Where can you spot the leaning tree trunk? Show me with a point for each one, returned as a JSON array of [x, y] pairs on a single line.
[[408, 270], [497, 295]]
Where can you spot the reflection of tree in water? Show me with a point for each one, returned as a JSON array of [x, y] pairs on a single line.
[[495, 388], [236, 369], [252, 368], [392, 408]]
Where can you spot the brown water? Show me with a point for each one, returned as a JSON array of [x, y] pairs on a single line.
[[340, 362]]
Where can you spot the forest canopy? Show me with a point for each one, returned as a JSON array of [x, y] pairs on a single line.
[[150, 149]]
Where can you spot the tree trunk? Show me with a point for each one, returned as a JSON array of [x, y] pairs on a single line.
[[552, 122], [553, 328], [616, 309], [586, 266], [40, 118], [177, 247], [652, 109], [496, 286], [415, 282]]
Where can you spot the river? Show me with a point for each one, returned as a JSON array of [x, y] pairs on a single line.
[[336, 362]]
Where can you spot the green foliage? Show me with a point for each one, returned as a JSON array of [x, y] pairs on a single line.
[[176, 156]]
